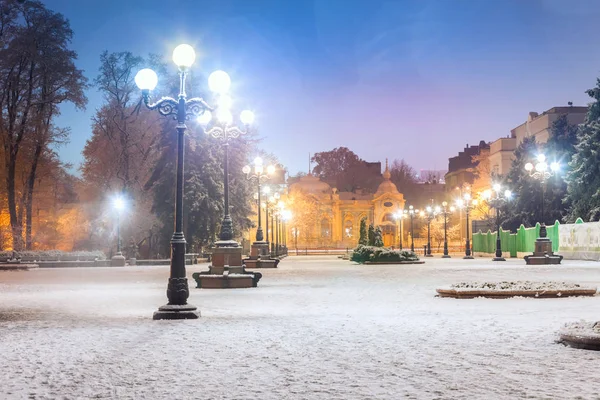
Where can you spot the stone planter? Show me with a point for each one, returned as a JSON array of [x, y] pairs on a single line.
[[503, 290]]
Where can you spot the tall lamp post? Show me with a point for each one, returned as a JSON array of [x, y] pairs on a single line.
[[446, 211], [543, 253], [430, 213], [182, 109], [540, 172], [468, 204], [411, 212], [399, 216], [260, 174], [119, 205], [222, 128], [496, 198]]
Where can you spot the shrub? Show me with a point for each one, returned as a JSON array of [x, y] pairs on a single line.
[[375, 254], [54, 254]]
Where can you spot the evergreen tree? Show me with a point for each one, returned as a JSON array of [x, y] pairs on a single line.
[[363, 240], [377, 238], [525, 206], [583, 179], [371, 235]]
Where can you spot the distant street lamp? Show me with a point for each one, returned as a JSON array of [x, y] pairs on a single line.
[[119, 205], [497, 199], [430, 213], [182, 109], [295, 233], [540, 172], [399, 216], [468, 204], [259, 174], [446, 211], [411, 212], [222, 128]]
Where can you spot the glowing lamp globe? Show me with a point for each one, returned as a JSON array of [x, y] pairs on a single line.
[[428, 209], [224, 116], [184, 56], [219, 82], [258, 161], [497, 187], [452, 208], [487, 194], [507, 194], [247, 117], [119, 203], [437, 209], [246, 169], [266, 190], [204, 118], [529, 167], [271, 169], [541, 158], [444, 203], [555, 166], [146, 79]]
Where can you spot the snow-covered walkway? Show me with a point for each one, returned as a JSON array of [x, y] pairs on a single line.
[[315, 328]]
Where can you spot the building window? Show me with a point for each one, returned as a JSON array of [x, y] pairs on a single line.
[[325, 229]]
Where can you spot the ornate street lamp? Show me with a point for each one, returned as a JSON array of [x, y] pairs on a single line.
[[446, 211], [286, 217], [182, 109], [430, 213], [541, 171], [260, 174], [496, 198], [273, 201], [119, 205], [295, 233], [411, 212], [399, 216], [468, 204], [222, 128], [543, 253]]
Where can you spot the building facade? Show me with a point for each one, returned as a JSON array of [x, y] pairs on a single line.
[[323, 217], [537, 125]]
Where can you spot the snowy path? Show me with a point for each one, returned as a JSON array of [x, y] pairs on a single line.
[[316, 328]]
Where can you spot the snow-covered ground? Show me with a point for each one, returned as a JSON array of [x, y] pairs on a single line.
[[315, 328]]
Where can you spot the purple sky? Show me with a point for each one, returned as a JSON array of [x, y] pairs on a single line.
[[399, 79]]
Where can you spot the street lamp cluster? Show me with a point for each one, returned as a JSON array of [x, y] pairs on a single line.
[[541, 171], [260, 174], [184, 109]]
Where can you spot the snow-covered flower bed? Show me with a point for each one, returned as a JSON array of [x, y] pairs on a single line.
[[582, 334], [51, 255], [515, 288], [518, 285]]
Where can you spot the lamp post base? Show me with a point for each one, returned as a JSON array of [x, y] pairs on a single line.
[[428, 255], [543, 253], [446, 256], [468, 258], [498, 259], [174, 311]]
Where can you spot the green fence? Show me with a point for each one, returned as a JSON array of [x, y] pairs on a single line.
[[523, 241]]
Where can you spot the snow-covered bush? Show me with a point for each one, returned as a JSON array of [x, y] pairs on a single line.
[[375, 254]]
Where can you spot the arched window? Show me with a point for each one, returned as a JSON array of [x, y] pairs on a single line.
[[348, 228], [325, 228], [388, 218]]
